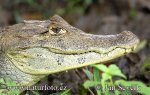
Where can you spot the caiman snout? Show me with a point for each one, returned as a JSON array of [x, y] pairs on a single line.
[[127, 39]]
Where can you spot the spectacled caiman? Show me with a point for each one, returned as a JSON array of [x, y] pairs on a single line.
[[33, 49]]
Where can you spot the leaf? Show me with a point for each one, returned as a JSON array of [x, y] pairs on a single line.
[[35, 93], [126, 92], [65, 92], [96, 75], [140, 87], [105, 77], [117, 92], [146, 65], [89, 83], [140, 46], [115, 71], [89, 74], [2, 80], [2, 94], [101, 67], [15, 92], [10, 82]]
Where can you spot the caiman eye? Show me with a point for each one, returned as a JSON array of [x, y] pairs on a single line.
[[56, 31]]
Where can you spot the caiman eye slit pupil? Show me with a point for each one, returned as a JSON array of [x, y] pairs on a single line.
[[56, 30]]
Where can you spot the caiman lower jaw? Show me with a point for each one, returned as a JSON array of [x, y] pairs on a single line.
[[42, 61]]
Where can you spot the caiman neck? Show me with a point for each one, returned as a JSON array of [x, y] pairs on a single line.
[[8, 70]]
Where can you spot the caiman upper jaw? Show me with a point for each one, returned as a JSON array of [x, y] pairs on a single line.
[[103, 44]]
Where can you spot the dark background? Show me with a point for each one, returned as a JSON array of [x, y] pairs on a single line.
[[92, 16]]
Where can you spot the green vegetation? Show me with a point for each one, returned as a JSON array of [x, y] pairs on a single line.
[[8, 83], [77, 6], [146, 66], [105, 84], [101, 80], [45, 9], [7, 87], [132, 13], [141, 46]]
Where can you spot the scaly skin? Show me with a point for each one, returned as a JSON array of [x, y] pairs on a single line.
[[34, 49]]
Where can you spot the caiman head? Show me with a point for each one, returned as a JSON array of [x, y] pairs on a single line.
[[50, 46]]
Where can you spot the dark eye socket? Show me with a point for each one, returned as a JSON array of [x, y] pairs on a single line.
[[45, 32], [56, 30]]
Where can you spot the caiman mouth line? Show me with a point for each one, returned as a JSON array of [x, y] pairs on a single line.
[[57, 51], [88, 51]]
